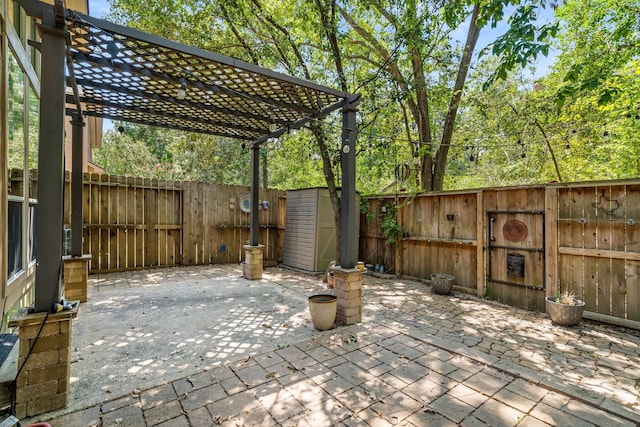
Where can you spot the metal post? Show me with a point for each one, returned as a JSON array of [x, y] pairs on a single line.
[[348, 224], [76, 185], [49, 211], [254, 231]]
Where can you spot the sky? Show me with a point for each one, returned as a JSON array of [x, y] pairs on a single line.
[[97, 8]]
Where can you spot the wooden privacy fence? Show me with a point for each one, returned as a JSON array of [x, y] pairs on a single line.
[[132, 223], [518, 245]]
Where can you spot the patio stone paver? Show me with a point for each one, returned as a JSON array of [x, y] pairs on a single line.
[[417, 359]]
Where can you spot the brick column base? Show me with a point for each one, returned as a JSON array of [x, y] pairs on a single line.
[[347, 286], [43, 383], [253, 262], [76, 272]]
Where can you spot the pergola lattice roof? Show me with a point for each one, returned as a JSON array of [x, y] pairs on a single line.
[[123, 74]]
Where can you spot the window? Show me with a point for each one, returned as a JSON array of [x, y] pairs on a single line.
[[16, 157], [15, 238]]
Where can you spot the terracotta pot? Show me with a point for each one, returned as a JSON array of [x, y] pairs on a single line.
[[323, 310], [564, 314]]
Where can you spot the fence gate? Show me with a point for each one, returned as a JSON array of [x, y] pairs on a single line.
[[515, 258]]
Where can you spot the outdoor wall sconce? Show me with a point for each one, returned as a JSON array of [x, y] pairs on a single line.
[[450, 217], [265, 204]]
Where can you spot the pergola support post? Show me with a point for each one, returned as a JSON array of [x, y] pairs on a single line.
[[348, 279], [350, 211], [49, 211], [76, 185], [253, 252]]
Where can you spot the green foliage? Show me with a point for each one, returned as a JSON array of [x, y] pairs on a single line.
[[364, 210], [567, 297], [391, 230], [576, 123]]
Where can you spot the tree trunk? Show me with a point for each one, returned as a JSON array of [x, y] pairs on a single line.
[[440, 165]]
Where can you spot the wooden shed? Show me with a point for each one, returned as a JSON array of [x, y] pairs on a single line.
[[310, 233]]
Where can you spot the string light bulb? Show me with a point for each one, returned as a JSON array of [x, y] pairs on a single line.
[[182, 91]]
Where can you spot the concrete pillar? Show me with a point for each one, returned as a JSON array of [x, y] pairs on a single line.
[[76, 273], [42, 384], [253, 262], [347, 287]]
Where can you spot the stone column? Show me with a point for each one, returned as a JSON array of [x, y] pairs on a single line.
[[347, 286], [253, 262], [76, 272], [43, 380]]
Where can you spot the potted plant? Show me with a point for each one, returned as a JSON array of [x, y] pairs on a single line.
[[564, 308]]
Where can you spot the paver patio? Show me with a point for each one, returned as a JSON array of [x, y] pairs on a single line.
[[416, 359]]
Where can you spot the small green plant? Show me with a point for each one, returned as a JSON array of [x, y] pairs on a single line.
[[366, 211], [390, 227], [567, 297]]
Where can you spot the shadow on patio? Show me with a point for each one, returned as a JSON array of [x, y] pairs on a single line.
[[203, 346]]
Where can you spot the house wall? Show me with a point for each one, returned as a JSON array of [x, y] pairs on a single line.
[[16, 284]]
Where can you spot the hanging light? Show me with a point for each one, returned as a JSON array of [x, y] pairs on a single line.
[[112, 49], [182, 91], [272, 125]]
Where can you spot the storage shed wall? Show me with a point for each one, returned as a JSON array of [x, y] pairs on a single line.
[[300, 229], [326, 232]]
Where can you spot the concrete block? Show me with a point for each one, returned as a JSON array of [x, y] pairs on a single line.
[[36, 391], [349, 303], [39, 360], [47, 404], [21, 410], [48, 373], [349, 320], [53, 342], [348, 312], [348, 294], [48, 329], [63, 384]]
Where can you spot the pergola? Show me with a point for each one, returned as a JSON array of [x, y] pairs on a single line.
[[93, 67]]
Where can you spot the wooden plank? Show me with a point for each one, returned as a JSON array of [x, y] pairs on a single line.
[[130, 218], [151, 219], [86, 209], [585, 213], [616, 230], [121, 218], [160, 229], [551, 241], [600, 253], [104, 219], [632, 244], [479, 236], [603, 241]]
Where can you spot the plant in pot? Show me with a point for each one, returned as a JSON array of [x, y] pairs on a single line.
[[564, 308]]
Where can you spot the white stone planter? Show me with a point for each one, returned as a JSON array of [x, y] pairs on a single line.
[[323, 310]]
